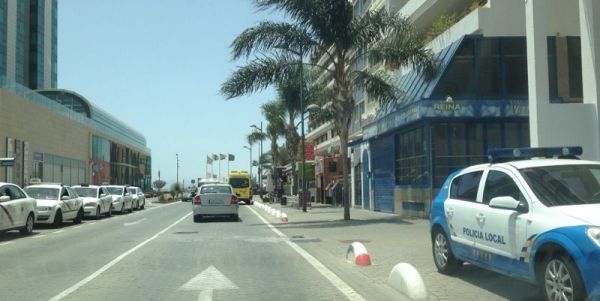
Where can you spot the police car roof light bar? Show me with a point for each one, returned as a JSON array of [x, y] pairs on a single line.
[[498, 155]]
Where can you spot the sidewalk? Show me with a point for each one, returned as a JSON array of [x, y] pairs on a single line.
[[390, 240]]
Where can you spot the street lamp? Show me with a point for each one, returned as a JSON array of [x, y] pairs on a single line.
[[260, 157], [250, 149], [177, 157]]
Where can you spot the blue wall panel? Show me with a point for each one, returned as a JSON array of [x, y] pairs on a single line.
[[382, 159]]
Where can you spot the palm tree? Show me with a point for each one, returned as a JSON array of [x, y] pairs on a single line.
[[273, 112], [328, 29]]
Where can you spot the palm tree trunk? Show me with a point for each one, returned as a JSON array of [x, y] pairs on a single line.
[[345, 171]]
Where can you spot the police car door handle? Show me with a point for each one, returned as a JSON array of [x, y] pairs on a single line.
[[480, 217]]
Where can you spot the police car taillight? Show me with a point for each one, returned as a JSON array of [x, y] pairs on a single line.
[[509, 154]]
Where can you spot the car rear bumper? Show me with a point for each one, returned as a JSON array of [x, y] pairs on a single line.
[[215, 209]]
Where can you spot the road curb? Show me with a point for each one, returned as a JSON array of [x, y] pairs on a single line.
[[407, 280]]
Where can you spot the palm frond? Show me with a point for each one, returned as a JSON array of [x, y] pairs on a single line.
[[403, 47], [269, 36], [328, 20], [377, 84], [255, 137], [372, 26], [257, 75]]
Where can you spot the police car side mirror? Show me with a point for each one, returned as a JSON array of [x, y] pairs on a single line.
[[504, 202], [509, 203], [4, 198], [64, 198]]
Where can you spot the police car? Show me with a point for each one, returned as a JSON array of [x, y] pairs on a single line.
[[532, 213]]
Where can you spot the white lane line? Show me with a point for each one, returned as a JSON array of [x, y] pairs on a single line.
[[134, 223], [38, 236], [103, 269], [90, 223], [342, 286], [78, 226], [6, 243], [56, 232]]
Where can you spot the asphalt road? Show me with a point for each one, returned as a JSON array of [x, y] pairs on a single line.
[[161, 254]]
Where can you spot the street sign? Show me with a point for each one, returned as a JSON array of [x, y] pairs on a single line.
[[7, 162]]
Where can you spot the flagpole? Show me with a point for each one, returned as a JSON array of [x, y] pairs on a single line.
[[228, 165], [220, 179]]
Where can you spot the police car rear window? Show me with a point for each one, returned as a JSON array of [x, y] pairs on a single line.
[[564, 184], [465, 187]]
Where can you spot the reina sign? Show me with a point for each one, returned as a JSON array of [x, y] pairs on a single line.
[[447, 106]]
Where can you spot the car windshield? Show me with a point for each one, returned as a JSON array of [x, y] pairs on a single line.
[[115, 190], [564, 184], [42, 193], [86, 192], [215, 189], [239, 182]]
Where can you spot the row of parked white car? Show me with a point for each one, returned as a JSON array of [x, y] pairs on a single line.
[[55, 203]]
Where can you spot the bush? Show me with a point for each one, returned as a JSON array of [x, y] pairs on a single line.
[[440, 25]]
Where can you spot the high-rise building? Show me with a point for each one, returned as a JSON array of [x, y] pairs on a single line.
[[28, 38]]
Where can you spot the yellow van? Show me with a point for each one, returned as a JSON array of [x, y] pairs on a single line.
[[242, 185]]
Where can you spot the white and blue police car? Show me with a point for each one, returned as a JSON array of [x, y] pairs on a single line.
[[532, 214]]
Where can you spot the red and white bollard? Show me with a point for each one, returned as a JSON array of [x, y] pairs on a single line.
[[358, 254], [284, 217]]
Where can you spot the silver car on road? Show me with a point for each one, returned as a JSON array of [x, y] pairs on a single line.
[[215, 200]]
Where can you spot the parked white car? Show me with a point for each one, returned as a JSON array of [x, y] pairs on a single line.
[[56, 203], [121, 198], [139, 200], [17, 209], [96, 200]]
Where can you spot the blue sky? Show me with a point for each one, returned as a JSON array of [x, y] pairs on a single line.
[[158, 66]]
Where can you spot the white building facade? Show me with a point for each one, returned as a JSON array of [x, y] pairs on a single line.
[[513, 73]]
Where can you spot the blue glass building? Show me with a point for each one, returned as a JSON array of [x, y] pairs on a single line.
[[478, 101]]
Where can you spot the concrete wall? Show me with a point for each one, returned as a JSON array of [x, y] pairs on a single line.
[[557, 124], [46, 131]]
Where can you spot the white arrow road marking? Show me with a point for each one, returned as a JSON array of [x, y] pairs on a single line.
[[134, 223], [207, 281], [107, 266]]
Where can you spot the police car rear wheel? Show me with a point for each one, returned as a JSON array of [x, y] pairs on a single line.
[[444, 260], [562, 280]]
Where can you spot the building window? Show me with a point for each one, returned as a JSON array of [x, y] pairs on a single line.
[[410, 158], [564, 70], [458, 145], [458, 80], [488, 68], [575, 75], [514, 52]]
